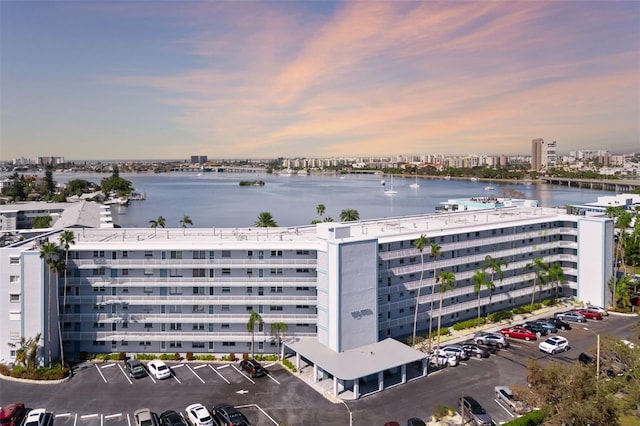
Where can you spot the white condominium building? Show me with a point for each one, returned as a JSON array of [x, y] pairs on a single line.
[[341, 285]]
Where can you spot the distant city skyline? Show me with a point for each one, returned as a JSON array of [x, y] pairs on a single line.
[[167, 80]]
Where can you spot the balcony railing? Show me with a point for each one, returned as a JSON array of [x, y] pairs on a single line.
[[219, 281], [253, 262], [159, 318], [176, 336], [267, 299]]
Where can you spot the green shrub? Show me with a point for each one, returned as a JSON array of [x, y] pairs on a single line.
[[289, 365], [270, 358], [549, 302], [469, 324], [442, 411], [500, 316], [444, 331], [206, 357], [534, 418], [232, 357], [114, 357], [148, 357], [167, 357]]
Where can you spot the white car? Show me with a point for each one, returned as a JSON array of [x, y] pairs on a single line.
[[159, 369], [598, 309], [554, 344], [198, 415], [443, 360], [36, 417]]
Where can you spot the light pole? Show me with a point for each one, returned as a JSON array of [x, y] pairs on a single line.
[[597, 351]]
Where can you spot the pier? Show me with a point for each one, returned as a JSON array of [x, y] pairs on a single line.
[[614, 185]]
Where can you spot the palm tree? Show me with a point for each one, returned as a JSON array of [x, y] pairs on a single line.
[[49, 252], [480, 280], [555, 273], [419, 244], [447, 282], [623, 220], [186, 220], [349, 215], [320, 209], [157, 223], [66, 239], [496, 269], [278, 330], [435, 251], [27, 351], [265, 220], [540, 269], [254, 319], [58, 266]]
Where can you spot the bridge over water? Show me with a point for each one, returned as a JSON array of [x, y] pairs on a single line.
[[615, 185]]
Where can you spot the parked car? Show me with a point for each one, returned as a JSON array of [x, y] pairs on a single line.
[[554, 344], [602, 311], [12, 414], [198, 415], [491, 339], [585, 359], [505, 395], [456, 351], [252, 368], [635, 300], [517, 332], [535, 328], [159, 369], [144, 417], [135, 368], [414, 421], [229, 416], [547, 325], [570, 316], [36, 417], [443, 360], [171, 418], [589, 314], [475, 350], [472, 411], [559, 324]]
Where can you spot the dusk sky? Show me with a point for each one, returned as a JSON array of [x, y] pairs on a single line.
[[169, 79]]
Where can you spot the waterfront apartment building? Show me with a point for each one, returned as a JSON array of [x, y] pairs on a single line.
[[340, 285], [543, 155]]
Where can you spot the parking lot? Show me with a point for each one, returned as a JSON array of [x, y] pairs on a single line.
[[102, 394]]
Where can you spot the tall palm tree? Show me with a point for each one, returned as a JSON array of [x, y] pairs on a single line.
[[434, 252], [622, 221], [66, 239], [49, 252], [186, 220], [158, 223], [278, 330], [555, 274], [58, 266], [320, 209], [447, 282], [540, 270], [419, 244], [265, 220], [496, 270], [349, 215], [254, 319], [480, 280]]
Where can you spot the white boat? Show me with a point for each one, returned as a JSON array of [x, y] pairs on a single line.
[[199, 174], [447, 177], [382, 182], [390, 191], [489, 188], [415, 184], [474, 179], [286, 172]]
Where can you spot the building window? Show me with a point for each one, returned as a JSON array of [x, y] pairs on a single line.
[[226, 271], [14, 279], [148, 325], [98, 271], [228, 343], [198, 273], [98, 343], [175, 254], [198, 327], [148, 253], [226, 253], [198, 290], [302, 270], [175, 326], [14, 260], [226, 289], [276, 253], [98, 325], [175, 290], [125, 324], [276, 290], [249, 290], [302, 288], [145, 343], [276, 271], [175, 344], [249, 271], [98, 253], [125, 272], [224, 307], [125, 254], [197, 309], [302, 252], [14, 298], [148, 271], [275, 308], [175, 309], [98, 307], [249, 253], [249, 308], [225, 326], [302, 306], [98, 289], [174, 272], [197, 345], [199, 254]]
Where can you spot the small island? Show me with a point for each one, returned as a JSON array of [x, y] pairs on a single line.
[[251, 183]]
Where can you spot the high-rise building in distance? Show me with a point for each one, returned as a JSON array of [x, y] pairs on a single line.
[[543, 154]]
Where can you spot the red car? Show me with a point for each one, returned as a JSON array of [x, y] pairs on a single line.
[[12, 414], [518, 333], [589, 314]]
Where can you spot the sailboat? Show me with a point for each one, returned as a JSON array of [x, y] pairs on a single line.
[[415, 184], [390, 191]]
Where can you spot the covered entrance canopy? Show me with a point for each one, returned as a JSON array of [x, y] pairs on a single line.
[[359, 363]]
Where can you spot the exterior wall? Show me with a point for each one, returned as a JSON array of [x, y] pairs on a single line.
[[595, 268]]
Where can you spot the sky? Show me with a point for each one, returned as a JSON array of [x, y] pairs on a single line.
[[169, 79]]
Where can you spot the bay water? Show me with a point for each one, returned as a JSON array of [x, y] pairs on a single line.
[[217, 199]]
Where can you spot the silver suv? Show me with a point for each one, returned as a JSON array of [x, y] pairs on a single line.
[[472, 411], [491, 339]]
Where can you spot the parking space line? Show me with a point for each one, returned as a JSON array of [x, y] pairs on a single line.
[[245, 376], [100, 372], [101, 419], [221, 376], [259, 408], [126, 376], [111, 416], [63, 415], [195, 374], [269, 376], [112, 364], [75, 419], [89, 416], [174, 376], [504, 408], [223, 366], [128, 420], [199, 366], [151, 377]]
